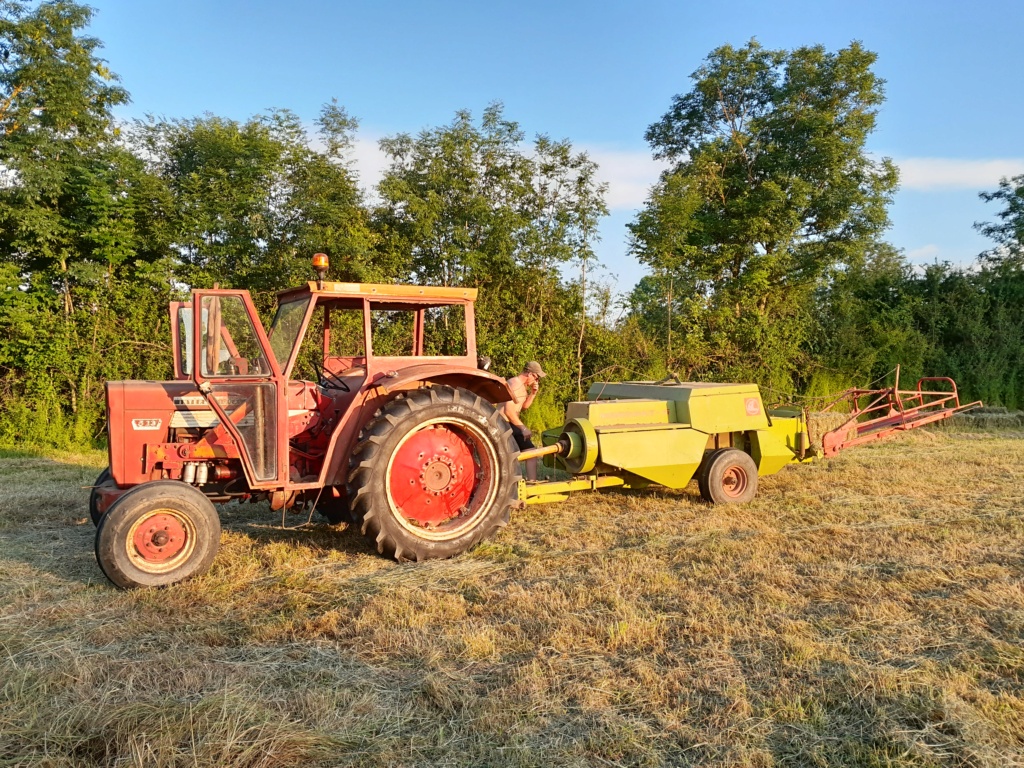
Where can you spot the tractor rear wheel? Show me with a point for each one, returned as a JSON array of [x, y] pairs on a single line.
[[731, 477], [433, 474], [157, 534], [94, 495]]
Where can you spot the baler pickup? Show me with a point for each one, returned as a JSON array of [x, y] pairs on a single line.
[[875, 414]]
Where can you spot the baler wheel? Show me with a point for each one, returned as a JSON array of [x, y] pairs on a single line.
[[702, 473], [103, 479], [731, 477], [156, 534], [433, 474]]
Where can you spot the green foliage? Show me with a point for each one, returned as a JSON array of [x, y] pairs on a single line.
[[52, 85], [763, 239], [868, 320], [251, 201], [770, 190], [465, 204], [1009, 231]]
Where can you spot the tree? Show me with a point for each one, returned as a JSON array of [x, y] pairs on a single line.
[[51, 82], [253, 201], [60, 164], [1009, 231], [868, 322], [771, 189], [466, 204], [80, 229]]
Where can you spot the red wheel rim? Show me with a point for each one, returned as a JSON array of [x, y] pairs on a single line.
[[734, 482], [434, 476], [159, 538]]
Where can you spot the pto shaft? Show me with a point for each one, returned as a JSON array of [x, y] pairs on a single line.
[[560, 448]]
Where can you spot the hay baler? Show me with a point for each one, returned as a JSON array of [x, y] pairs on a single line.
[[637, 434]]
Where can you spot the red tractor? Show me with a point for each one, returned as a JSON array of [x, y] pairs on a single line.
[[398, 433]]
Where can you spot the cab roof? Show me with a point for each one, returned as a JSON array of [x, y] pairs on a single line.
[[385, 292]]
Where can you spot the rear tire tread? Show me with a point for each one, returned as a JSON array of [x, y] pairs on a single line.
[[365, 480]]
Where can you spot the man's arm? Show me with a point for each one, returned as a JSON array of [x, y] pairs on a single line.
[[529, 398]]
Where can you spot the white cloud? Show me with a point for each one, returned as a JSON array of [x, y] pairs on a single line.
[[630, 174], [924, 253], [368, 161], [933, 173]]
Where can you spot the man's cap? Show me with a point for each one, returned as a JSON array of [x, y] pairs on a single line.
[[534, 367]]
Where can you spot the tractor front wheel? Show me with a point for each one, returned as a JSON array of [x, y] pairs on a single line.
[[433, 474], [731, 477], [157, 534]]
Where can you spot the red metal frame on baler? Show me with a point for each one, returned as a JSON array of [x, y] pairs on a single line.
[[891, 410]]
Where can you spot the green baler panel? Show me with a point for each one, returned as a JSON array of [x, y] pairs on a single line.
[[769, 452], [710, 408], [608, 413], [669, 457], [777, 446]]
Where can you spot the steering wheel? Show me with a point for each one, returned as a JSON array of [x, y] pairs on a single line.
[[328, 380]]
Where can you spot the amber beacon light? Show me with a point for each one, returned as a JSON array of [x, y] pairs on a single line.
[[320, 264]]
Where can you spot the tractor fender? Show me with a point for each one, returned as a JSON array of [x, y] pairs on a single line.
[[383, 387], [490, 387]]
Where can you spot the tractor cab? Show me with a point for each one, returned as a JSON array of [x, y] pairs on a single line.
[[283, 395]]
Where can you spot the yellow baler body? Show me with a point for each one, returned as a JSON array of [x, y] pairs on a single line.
[[649, 433]]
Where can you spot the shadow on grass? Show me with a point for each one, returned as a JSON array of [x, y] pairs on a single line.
[[45, 527], [263, 525]]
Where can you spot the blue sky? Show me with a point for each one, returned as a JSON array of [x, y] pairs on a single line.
[[597, 73]]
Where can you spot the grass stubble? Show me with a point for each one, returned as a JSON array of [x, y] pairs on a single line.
[[864, 611]]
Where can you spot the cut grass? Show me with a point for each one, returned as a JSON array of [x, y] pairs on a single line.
[[865, 611]]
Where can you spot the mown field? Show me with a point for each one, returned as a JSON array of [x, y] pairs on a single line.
[[866, 611]]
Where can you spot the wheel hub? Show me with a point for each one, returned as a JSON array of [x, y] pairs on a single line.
[[159, 538], [433, 476], [734, 481], [438, 474]]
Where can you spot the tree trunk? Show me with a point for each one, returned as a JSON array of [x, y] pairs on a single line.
[[68, 306], [668, 306], [583, 328]]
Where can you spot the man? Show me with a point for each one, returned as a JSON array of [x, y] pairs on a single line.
[[524, 389]]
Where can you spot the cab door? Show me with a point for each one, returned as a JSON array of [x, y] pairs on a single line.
[[234, 367], [181, 339]]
